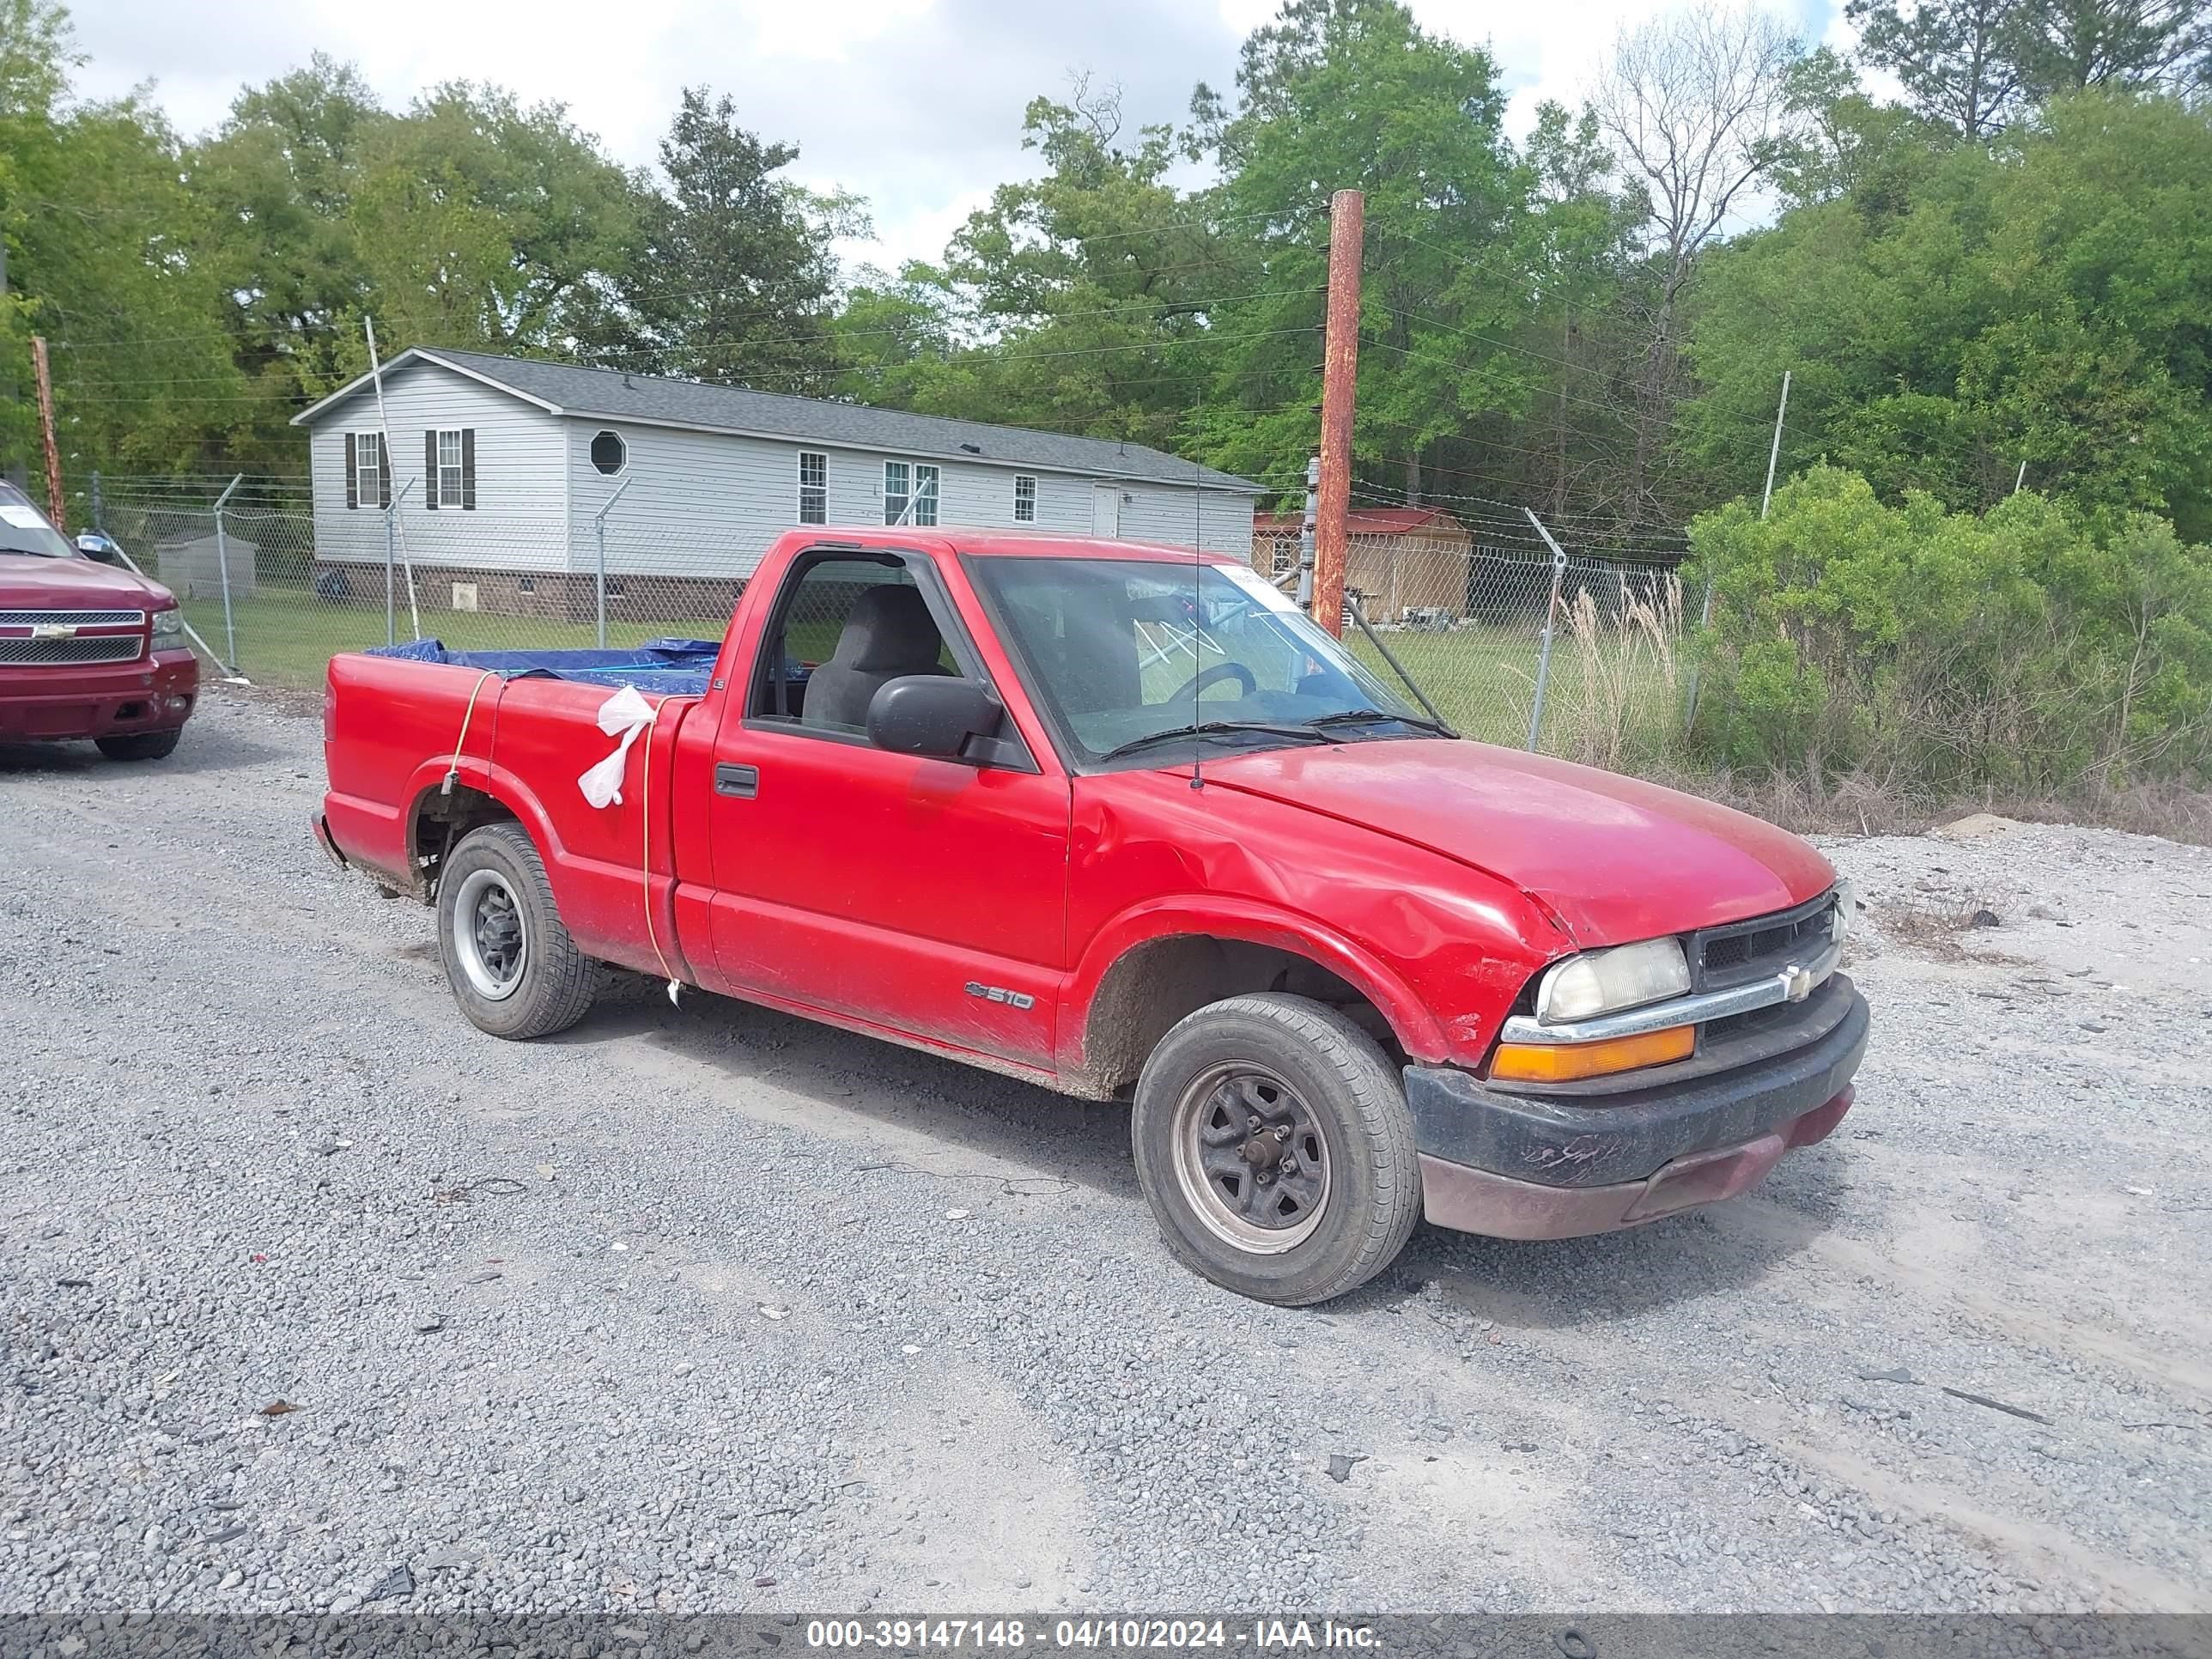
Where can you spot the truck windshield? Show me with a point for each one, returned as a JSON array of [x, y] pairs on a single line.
[[24, 529], [1123, 651]]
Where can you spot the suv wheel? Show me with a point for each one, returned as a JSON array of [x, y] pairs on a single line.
[[140, 745], [515, 970], [1274, 1146]]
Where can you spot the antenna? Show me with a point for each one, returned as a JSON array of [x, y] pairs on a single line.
[[384, 438], [1197, 619]]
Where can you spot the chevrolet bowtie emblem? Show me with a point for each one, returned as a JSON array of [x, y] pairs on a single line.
[[52, 631], [1796, 982]]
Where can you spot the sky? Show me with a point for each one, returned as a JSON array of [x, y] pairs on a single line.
[[915, 104]]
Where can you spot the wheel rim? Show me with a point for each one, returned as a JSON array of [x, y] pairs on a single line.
[[489, 936], [1251, 1158]]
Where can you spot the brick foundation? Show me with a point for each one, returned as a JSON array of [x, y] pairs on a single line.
[[683, 603]]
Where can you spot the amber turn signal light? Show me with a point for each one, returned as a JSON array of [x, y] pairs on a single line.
[[1568, 1062]]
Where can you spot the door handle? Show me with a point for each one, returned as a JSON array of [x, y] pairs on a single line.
[[738, 782]]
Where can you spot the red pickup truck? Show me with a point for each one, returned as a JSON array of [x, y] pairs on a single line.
[[1127, 824], [86, 650]]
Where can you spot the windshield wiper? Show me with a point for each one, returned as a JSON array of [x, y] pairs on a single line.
[[1382, 717], [1207, 728]]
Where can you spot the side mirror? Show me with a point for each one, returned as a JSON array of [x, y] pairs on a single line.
[[95, 545], [934, 714]]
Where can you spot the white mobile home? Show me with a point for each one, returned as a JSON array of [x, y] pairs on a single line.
[[502, 475]]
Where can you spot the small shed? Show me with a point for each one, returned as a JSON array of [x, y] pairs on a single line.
[[1403, 562], [198, 566]]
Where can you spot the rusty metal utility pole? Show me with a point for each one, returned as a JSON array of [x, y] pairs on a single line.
[[55, 510], [1339, 378]]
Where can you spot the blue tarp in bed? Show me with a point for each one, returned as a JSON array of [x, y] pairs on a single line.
[[665, 667]]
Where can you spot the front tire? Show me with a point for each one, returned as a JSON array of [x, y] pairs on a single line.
[[513, 968], [1274, 1146], [140, 745]]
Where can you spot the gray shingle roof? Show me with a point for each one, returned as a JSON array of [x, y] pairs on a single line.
[[617, 395]]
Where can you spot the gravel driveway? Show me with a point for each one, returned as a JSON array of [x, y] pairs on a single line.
[[708, 1308]]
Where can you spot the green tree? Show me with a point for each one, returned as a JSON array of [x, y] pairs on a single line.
[[484, 223], [276, 182], [1958, 59], [100, 231], [2039, 301], [1083, 298], [2027, 649], [735, 280], [1355, 95], [2071, 46]]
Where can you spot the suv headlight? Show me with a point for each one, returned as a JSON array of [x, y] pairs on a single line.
[[1607, 981], [168, 627]]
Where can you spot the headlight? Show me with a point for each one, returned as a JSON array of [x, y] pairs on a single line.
[[168, 627], [1607, 981]]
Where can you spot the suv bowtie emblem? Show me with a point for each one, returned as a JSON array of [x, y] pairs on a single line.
[[52, 631]]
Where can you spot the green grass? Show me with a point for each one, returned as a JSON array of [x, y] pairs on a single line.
[[286, 636], [1482, 680]]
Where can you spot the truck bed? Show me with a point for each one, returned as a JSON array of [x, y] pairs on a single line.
[[671, 667], [522, 726]]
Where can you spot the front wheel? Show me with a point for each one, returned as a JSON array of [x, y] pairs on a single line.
[[1274, 1146], [140, 745], [513, 968]]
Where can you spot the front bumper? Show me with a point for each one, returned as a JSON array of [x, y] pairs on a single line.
[[1552, 1163], [153, 694]]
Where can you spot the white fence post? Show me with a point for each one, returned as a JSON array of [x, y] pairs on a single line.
[[1550, 612], [222, 572], [600, 531]]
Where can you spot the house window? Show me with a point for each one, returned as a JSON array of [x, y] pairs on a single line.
[[814, 488], [909, 493], [368, 472], [449, 468], [1024, 499], [609, 453]]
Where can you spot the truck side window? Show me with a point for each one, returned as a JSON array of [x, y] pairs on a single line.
[[844, 625]]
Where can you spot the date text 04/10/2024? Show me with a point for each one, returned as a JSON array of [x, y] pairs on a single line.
[[910, 1635]]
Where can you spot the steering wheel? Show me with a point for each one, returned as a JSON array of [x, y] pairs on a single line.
[[1206, 677]]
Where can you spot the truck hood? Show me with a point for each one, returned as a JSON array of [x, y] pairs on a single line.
[[1613, 858], [29, 582]]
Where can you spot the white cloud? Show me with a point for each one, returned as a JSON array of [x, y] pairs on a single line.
[[915, 104]]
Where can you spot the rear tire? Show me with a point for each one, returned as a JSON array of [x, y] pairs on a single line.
[[140, 745], [515, 970], [1274, 1146]]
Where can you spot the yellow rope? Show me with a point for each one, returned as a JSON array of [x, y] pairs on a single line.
[[453, 768], [645, 855]]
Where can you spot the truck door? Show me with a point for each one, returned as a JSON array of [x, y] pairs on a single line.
[[925, 896]]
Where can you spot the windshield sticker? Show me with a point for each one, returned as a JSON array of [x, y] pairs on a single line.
[[23, 518]]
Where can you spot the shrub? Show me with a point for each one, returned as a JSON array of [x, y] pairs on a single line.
[[2023, 650]]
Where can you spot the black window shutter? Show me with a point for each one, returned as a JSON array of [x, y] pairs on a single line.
[[383, 473], [430, 468], [468, 469], [353, 470]]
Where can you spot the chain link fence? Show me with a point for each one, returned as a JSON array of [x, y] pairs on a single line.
[[1579, 655], [273, 589], [1574, 654]]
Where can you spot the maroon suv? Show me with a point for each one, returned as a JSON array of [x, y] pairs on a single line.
[[87, 649]]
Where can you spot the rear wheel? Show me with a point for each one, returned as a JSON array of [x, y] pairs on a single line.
[[1274, 1146], [140, 745], [513, 968]]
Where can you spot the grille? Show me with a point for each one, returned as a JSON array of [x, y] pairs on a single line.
[[74, 618], [96, 647], [1742, 952]]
